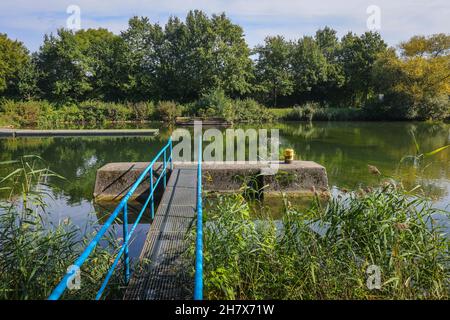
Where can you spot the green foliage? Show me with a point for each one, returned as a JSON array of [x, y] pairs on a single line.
[[14, 60], [206, 58], [250, 111], [42, 113], [214, 104], [24, 113], [169, 110], [247, 259], [313, 111], [141, 111], [357, 57], [416, 85], [35, 253], [80, 65], [272, 70], [94, 111], [184, 59]]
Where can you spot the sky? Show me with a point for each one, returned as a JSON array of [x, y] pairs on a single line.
[[29, 20]]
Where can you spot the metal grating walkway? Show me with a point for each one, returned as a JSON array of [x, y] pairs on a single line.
[[161, 273]]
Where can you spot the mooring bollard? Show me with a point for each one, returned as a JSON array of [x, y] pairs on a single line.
[[288, 155]]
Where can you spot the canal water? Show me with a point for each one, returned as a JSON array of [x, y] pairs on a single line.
[[344, 148]]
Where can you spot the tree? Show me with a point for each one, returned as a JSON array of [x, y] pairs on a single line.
[[416, 84], [203, 54], [75, 66], [144, 42], [357, 56], [14, 59], [309, 65], [273, 69], [185, 59], [330, 90]]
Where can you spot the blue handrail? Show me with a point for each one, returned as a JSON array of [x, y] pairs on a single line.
[[122, 206], [198, 288]]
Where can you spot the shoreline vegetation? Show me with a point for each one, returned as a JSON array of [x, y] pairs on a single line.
[[326, 252], [159, 72], [35, 251]]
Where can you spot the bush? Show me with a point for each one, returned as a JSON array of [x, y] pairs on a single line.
[[95, 111], [141, 111], [248, 111], [25, 113], [434, 107], [216, 104], [213, 104], [169, 110], [313, 111]]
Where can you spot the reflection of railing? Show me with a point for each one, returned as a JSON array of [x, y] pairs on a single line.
[[198, 286], [122, 206]]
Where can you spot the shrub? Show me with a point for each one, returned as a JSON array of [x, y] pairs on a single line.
[[95, 111], [213, 104], [434, 107], [169, 110], [248, 110], [313, 111], [25, 113], [141, 111]]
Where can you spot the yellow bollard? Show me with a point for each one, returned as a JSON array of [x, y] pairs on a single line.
[[288, 155]]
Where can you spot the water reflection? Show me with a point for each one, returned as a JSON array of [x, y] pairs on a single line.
[[344, 148]]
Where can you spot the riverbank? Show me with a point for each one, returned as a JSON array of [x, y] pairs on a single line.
[[46, 115]]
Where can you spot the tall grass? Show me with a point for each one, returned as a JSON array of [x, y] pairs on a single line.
[[34, 252], [313, 111], [324, 252]]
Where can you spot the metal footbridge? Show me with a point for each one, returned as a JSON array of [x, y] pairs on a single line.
[[162, 271]]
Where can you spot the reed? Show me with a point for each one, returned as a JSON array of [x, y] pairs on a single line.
[[324, 252], [35, 252]]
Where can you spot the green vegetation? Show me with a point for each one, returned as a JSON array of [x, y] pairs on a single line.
[[313, 111], [34, 252], [194, 62], [247, 259]]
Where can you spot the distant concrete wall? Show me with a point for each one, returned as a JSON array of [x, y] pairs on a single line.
[[298, 178], [76, 133]]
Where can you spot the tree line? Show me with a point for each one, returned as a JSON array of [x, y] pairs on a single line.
[[185, 60]]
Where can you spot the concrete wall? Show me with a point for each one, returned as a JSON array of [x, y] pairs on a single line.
[[113, 180], [298, 178]]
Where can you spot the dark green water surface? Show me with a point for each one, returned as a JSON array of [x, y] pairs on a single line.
[[344, 148]]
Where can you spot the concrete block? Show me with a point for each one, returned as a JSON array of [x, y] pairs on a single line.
[[299, 177]]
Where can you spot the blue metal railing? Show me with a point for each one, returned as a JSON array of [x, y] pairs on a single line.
[[198, 286], [122, 206]]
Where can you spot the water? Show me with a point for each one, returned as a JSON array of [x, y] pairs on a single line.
[[344, 148]]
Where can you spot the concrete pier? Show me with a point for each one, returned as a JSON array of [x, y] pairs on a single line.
[[297, 178], [77, 133]]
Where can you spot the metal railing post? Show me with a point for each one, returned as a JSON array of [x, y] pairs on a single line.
[[171, 155], [152, 205], [198, 289], [165, 169], [126, 258]]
